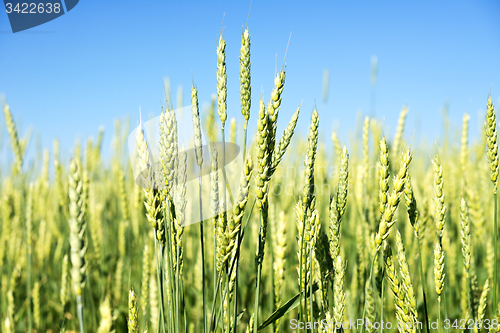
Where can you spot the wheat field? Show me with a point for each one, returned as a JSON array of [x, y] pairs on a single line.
[[371, 233]]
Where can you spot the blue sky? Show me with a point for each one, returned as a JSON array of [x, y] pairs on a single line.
[[103, 59]]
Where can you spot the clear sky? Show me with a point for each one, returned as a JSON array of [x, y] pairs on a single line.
[[103, 59]]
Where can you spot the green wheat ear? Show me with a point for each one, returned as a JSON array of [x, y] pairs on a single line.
[[197, 126], [383, 175], [221, 81], [133, 313], [491, 141], [465, 235], [308, 192], [245, 84], [440, 209], [439, 269], [77, 229], [387, 220], [394, 284], [14, 138]]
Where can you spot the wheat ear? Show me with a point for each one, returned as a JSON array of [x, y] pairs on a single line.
[[439, 269], [492, 154], [107, 317], [221, 81], [465, 235], [398, 292], [387, 220], [339, 293], [245, 80], [338, 204], [77, 236], [133, 313], [399, 132], [410, 300], [440, 210], [14, 138], [482, 305], [383, 175], [369, 307]]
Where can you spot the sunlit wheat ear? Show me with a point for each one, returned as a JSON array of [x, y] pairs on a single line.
[[152, 200], [107, 317], [383, 175], [284, 142], [227, 234], [180, 209], [337, 205], [474, 288], [387, 220], [410, 300], [343, 182], [133, 313], [77, 229], [392, 277], [222, 241], [123, 194], [440, 209], [312, 144], [274, 104], [483, 302], [168, 149], [263, 157], [491, 141], [337, 147], [339, 294], [439, 270], [234, 224], [399, 132], [250, 324], [14, 138], [273, 109], [369, 306], [307, 237], [221, 81], [245, 84], [465, 235], [10, 320], [196, 126], [214, 187]]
